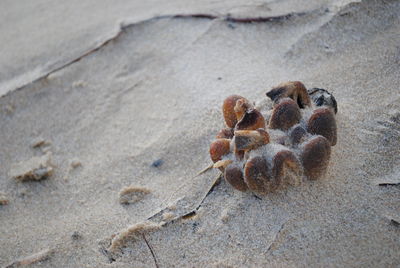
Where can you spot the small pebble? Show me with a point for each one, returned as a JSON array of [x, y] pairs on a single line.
[[75, 235], [38, 142], [78, 84], [75, 163], [157, 163], [3, 200]]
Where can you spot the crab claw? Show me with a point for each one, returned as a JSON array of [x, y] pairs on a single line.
[[322, 97], [234, 176], [322, 122], [315, 156], [285, 114], [251, 120], [294, 90], [219, 148], [264, 174], [228, 109], [250, 139], [225, 133]]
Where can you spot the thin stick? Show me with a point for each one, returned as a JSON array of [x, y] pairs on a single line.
[[151, 250], [204, 170]]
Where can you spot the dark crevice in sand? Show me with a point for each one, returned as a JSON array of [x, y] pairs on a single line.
[[383, 183], [230, 18], [196, 16], [122, 28], [267, 19]]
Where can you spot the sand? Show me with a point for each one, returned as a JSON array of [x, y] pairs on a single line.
[[128, 96]]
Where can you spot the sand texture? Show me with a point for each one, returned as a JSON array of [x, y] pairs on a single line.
[[125, 96]]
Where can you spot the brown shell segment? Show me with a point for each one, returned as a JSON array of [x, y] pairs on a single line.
[[225, 133], [228, 110], [250, 139], [322, 122], [234, 176], [294, 90], [315, 156], [257, 175], [285, 115], [286, 162], [219, 148], [241, 107], [251, 120], [297, 134]]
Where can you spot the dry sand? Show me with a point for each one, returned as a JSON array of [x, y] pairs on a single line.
[[136, 106]]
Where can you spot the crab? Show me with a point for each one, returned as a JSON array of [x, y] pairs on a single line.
[[263, 151]]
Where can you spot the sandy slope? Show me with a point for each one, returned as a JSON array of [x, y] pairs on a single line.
[[154, 92]]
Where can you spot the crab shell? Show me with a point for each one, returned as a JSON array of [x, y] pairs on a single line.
[[294, 143]]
